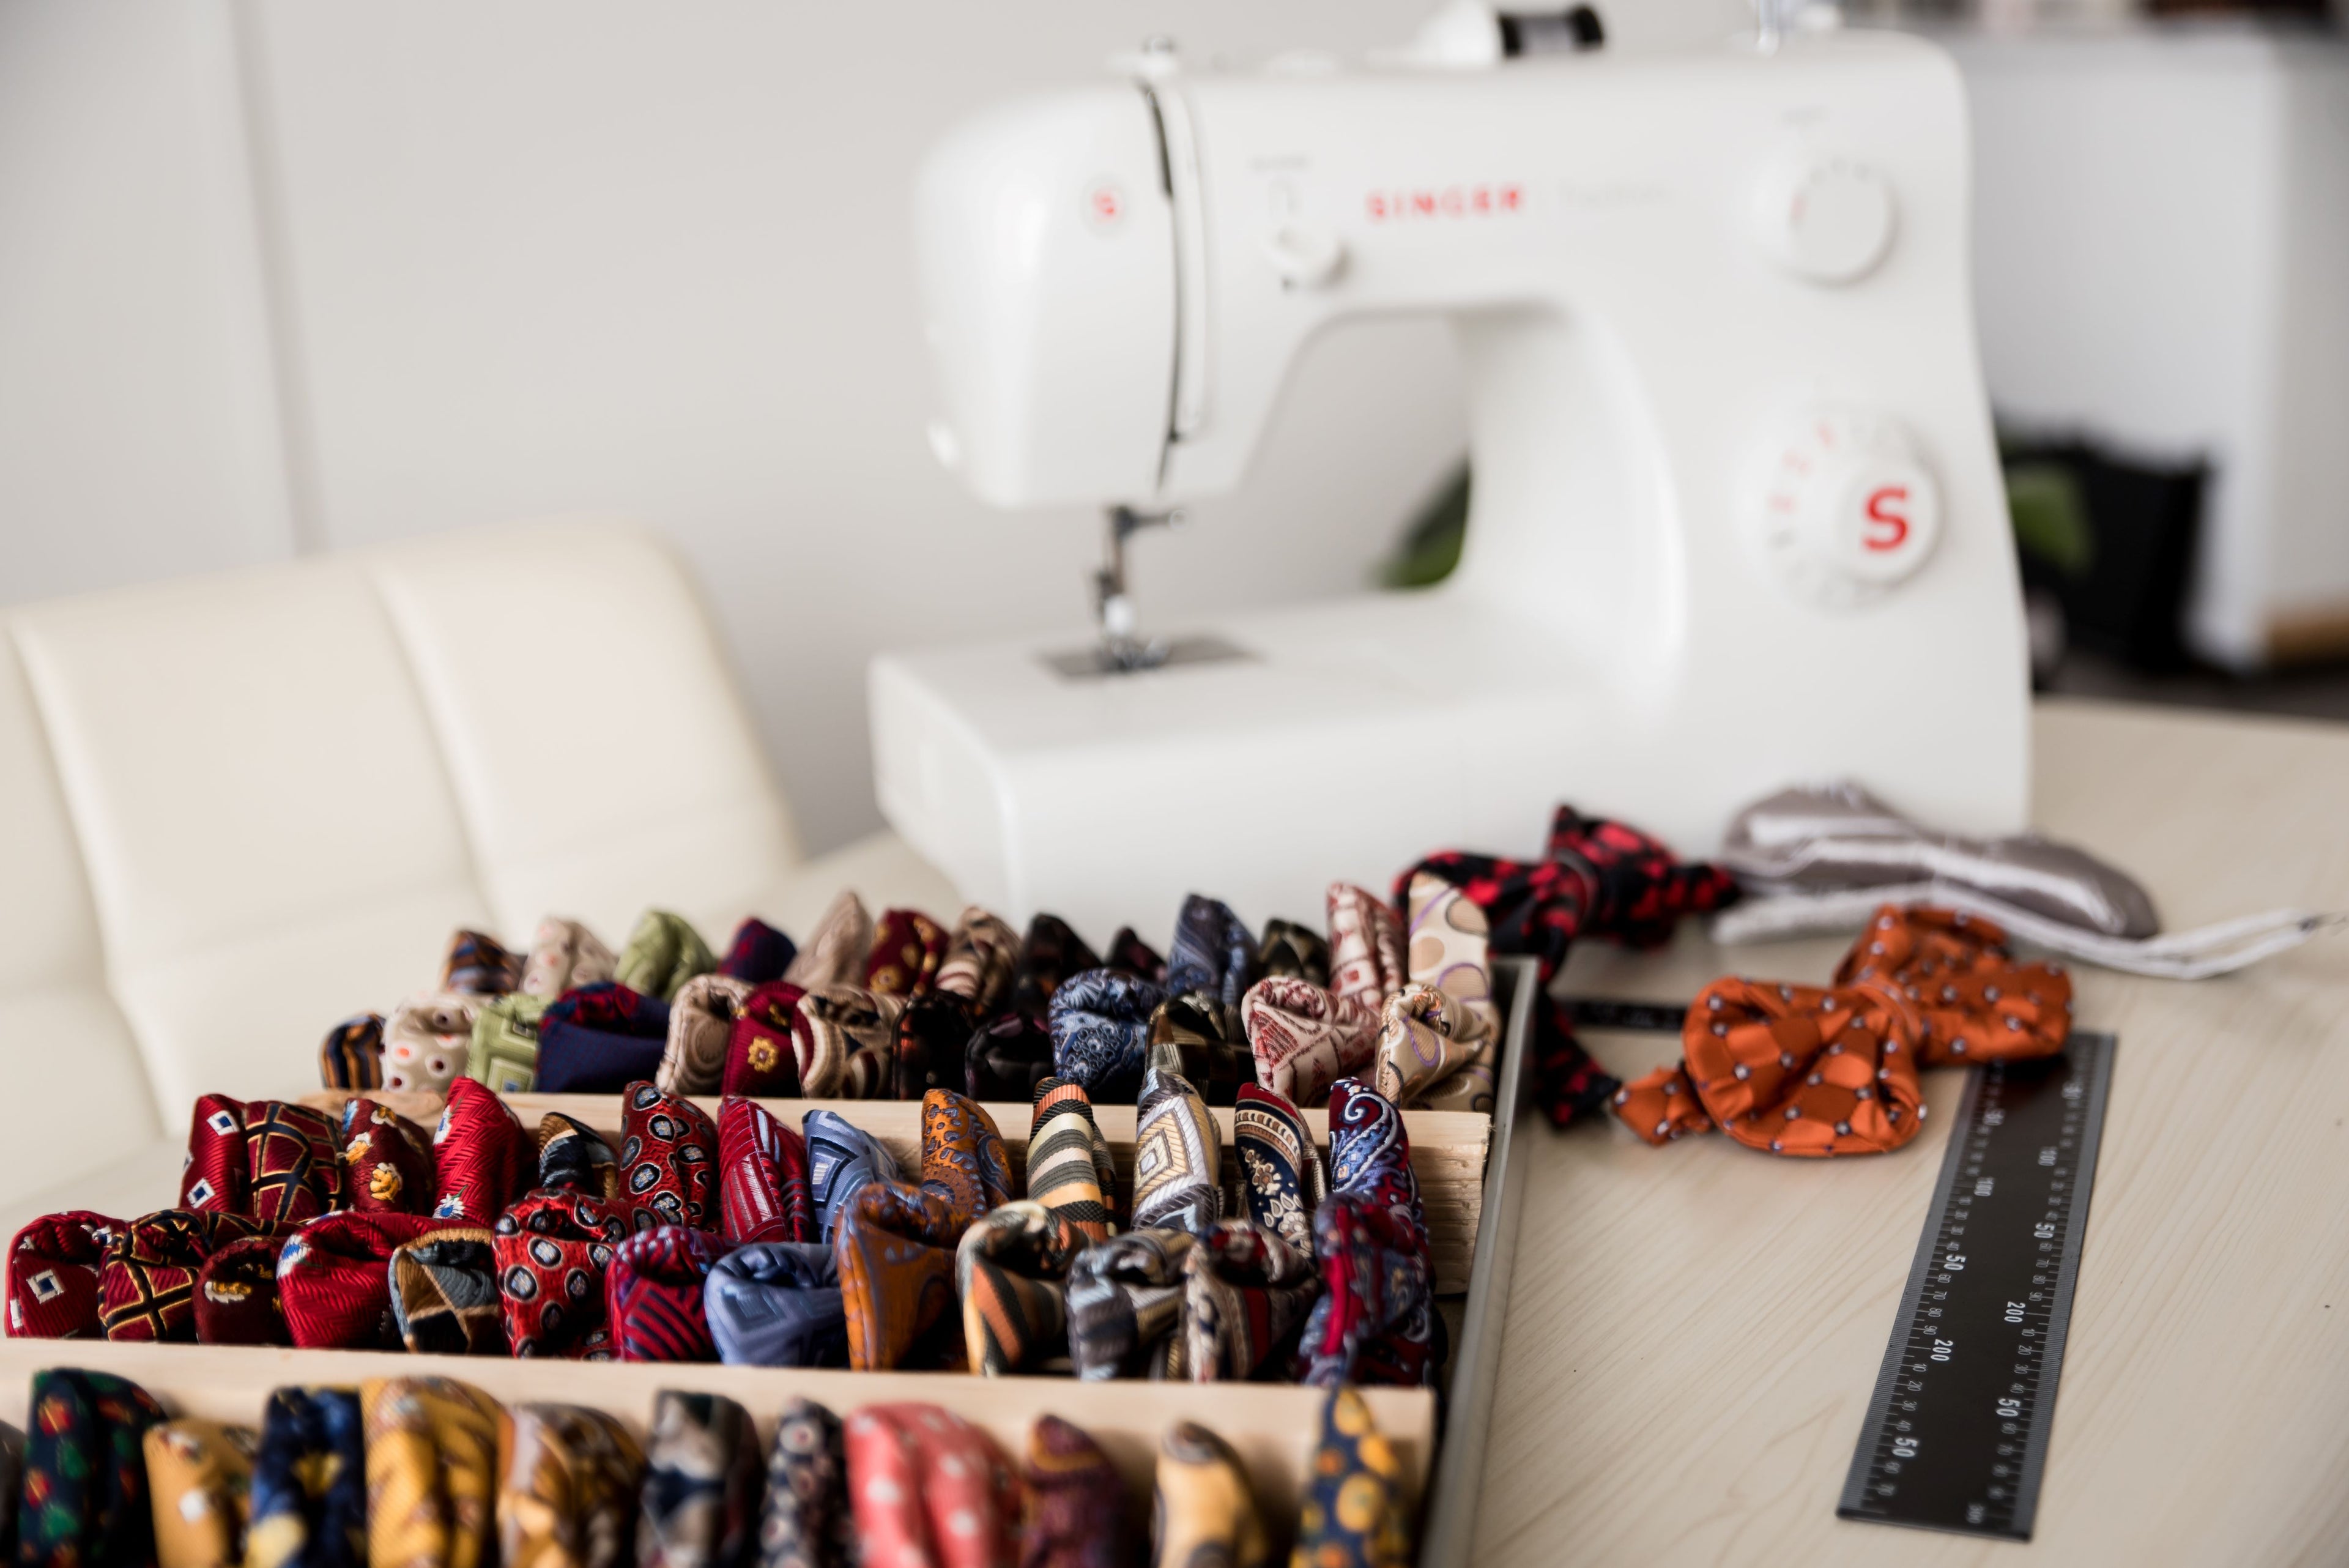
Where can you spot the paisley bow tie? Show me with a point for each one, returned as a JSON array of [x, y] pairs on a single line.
[[1801, 1070]]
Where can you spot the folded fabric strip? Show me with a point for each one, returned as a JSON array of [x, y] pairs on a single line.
[[478, 964], [842, 1159], [2203, 953], [895, 1253], [1125, 1302], [1065, 1151], [569, 1479], [704, 1484], [1448, 944], [1129, 954], [835, 954], [199, 1474], [806, 1521], [482, 1160], [574, 1158], [53, 1268], [85, 1496], [1100, 1020], [388, 1160], [504, 1050], [1007, 1059], [1075, 1515], [852, 1033], [1245, 1293], [1305, 1039], [1011, 1270], [1213, 952], [925, 1049], [1367, 961], [427, 1040], [1207, 1045], [907, 949], [1203, 1512], [1049, 954], [1354, 1515], [1838, 836], [431, 1473], [762, 1183], [767, 1044], [757, 954], [663, 952], [895, 1244], [309, 1482], [1375, 1321], [564, 956], [652, 1294], [236, 1298], [1794, 1069], [266, 1160], [1597, 879], [1424, 1038], [982, 956], [599, 1039], [929, 1486], [1291, 949], [776, 1303], [1282, 1182], [351, 1055], [444, 1293], [668, 1160], [551, 1251], [334, 1278], [963, 1158], [1177, 1156], [147, 1285], [701, 1025]]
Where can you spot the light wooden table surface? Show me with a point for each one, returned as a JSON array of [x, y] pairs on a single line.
[[1693, 1331]]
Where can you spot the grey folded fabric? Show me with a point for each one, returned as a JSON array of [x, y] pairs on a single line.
[[842, 1159], [776, 1303], [1837, 837]]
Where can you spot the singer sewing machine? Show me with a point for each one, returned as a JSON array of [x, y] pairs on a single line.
[[1737, 515]]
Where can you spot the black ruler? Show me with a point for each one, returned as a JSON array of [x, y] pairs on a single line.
[[1956, 1432]]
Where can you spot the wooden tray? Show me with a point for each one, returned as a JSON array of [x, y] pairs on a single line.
[[1471, 1209]]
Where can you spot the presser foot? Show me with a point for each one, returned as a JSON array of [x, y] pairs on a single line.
[[1159, 653]]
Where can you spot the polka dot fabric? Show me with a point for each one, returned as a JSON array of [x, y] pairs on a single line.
[[668, 1160], [551, 1251], [1801, 1070], [927, 1487]]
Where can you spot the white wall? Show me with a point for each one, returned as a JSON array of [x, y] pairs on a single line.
[[534, 255]]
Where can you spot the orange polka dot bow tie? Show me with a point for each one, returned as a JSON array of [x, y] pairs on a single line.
[[1795, 1069]]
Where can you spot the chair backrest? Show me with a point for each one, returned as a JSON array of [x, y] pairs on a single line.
[[236, 809]]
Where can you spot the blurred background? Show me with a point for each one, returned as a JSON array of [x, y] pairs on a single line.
[[285, 277]]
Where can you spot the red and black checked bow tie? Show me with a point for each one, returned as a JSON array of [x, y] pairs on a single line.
[[1595, 879]]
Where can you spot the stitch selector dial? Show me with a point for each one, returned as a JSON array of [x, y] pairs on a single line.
[[1848, 508]]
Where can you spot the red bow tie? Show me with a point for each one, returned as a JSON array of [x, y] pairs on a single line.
[[1794, 1069]]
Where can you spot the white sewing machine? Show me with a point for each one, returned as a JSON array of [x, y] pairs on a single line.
[[1737, 517]]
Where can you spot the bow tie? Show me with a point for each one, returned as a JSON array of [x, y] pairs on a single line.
[[1801, 1070], [1595, 879]]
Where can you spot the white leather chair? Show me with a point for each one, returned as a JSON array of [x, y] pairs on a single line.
[[237, 809]]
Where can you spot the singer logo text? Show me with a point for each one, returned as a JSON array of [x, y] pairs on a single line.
[[1403, 206]]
